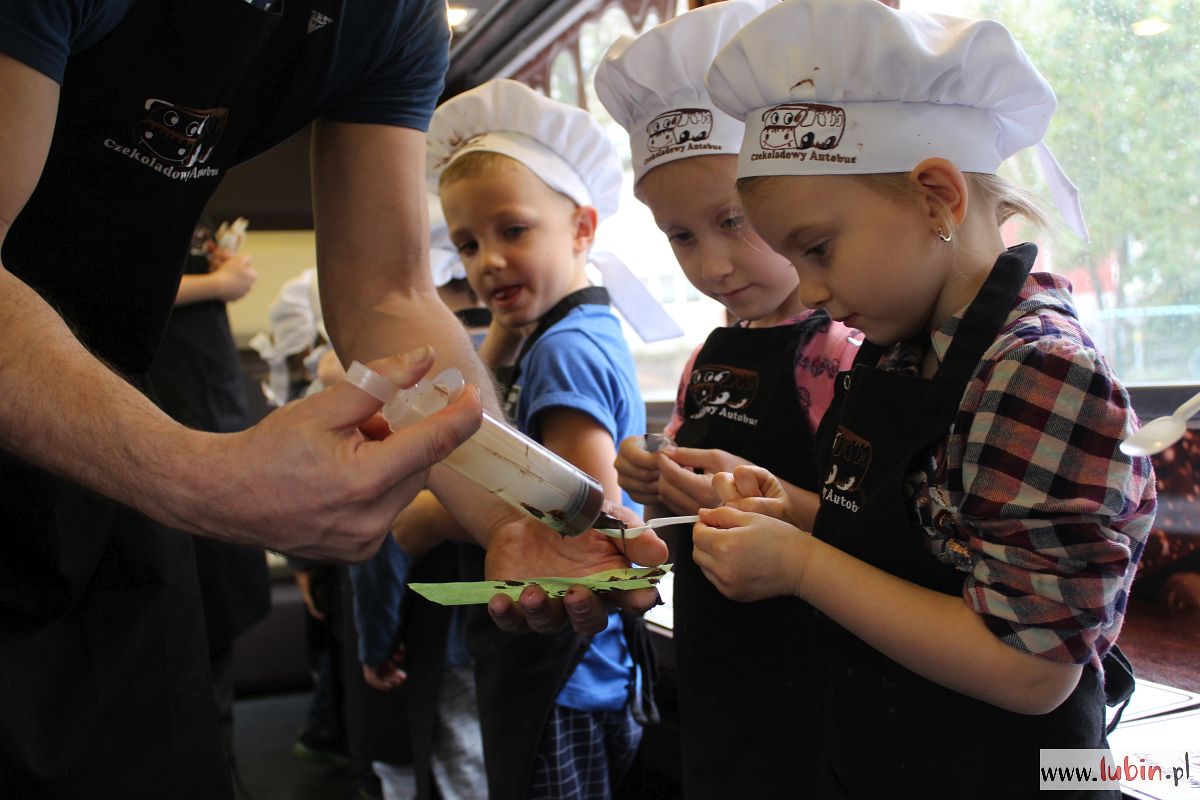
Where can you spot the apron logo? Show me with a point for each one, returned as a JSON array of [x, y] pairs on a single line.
[[317, 20], [180, 135], [849, 462], [722, 391]]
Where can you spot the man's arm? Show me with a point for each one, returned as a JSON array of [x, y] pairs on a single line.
[[45, 416], [305, 481], [372, 224]]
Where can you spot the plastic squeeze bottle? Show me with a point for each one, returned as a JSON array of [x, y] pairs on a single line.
[[499, 458]]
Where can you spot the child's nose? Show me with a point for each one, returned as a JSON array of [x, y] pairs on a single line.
[[814, 293], [490, 257], [715, 264]]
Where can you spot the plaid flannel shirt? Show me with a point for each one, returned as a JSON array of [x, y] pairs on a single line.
[[1029, 494]]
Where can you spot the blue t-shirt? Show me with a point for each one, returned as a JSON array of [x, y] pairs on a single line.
[[370, 61], [582, 362]]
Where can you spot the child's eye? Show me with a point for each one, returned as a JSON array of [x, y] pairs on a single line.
[[679, 237], [733, 222], [817, 250], [513, 231], [467, 248]]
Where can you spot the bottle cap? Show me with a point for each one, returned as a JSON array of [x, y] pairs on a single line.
[[371, 382]]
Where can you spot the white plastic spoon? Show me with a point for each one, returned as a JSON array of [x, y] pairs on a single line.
[[661, 522], [1159, 434]]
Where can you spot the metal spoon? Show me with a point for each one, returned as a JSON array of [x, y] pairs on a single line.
[[661, 522], [1159, 434]]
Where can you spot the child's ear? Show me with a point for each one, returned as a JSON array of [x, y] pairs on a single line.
[[946, 191], [585, 222]]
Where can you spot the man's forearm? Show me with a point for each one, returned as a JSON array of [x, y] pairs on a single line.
[[402, 321]]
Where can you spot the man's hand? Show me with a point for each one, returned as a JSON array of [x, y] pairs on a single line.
[[521, 547], [308, 482]]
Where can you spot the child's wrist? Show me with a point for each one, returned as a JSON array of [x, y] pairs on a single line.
[[802, 554]]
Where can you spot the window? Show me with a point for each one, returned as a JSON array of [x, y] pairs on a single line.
[[1125, 72]]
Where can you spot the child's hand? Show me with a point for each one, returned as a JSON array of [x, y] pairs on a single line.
[[388, 675], [749, 556], [637, 471], [686, 482], [751, 488], [235, 274]]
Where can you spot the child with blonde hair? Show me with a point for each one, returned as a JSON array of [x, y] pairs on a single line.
[[754, 392], [524, 180], [979, 527]]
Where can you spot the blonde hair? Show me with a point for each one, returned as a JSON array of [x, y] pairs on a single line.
[[1008, 199], [475, 164], [478, 163]]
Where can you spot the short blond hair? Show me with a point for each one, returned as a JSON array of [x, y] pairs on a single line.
[[475, 164]]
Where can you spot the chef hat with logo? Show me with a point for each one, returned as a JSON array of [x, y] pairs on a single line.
[[844, 87], [653, 85], [444, 263], [564, 146], [561, 144]]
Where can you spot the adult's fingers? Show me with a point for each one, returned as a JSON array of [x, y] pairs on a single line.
[[637, 601], [507, 614], [645, 549], [422, 444], [587, 612], [534, 611], [344, 404], [542, 613]]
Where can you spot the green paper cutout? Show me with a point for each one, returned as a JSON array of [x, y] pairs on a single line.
[[464, 593]]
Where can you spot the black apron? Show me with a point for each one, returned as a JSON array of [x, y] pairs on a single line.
[[106, 689], [747, 683], [888, 730], [519, 676], [197, 379]]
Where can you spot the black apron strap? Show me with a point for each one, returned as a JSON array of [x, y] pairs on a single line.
[[1119, 684], [507, 376], [985, 317]]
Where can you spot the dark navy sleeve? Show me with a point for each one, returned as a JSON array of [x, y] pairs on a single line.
[[44, 33], [405, 88]]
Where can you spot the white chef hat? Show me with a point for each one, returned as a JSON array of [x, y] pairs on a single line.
[[653, 85], [855, 87], [561, 144], [444, 263]]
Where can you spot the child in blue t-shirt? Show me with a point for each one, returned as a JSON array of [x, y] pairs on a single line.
[[524, 181]]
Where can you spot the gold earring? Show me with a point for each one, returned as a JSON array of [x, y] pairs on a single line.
[[945, 237]]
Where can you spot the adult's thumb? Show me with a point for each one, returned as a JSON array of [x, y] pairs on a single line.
[[365, 390], [427, 441]]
